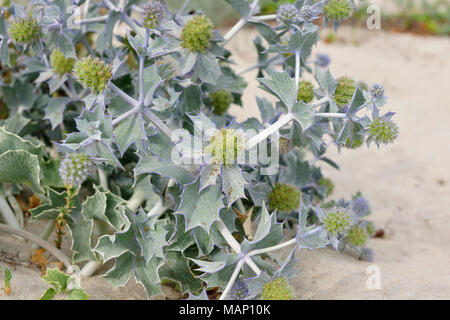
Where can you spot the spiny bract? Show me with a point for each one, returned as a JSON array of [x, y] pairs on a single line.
[[305, 91], [287, 14], [225, 146], [357, 236], [60, 64], [24, 30], [74, 169], [383, 130], [278, 289], [338, 9], [197, 34], [221, 101], [93, 73], [284, 198], [344, 92], [153, 14], [337, 220]]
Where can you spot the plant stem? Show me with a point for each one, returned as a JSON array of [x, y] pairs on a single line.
[[45, 234], [91, 20], [7, 214], [331, 115], [283, 120], [321, 101], [232, 280], [297, 69], [263, 18], [17, 210], [240, 24], [158, 123], [133, 102], [103, 179], [42, 243]]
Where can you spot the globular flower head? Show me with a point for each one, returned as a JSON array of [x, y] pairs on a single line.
[[24, 30], [383, 130], [277, 289], [328, 184], [360, 206], [337, 220], [93, 73], [221, 101], [153, 14], [338, 10], [60, 64], [357, 236], [305, 91], [287, 14], [344, 92], [323, 60], [239, 290], [284, 198], [307, 13], [225, 146], [377, 90], [74, 169], [197, 34]]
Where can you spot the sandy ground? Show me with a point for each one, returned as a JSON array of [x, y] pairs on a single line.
[[408, 182]]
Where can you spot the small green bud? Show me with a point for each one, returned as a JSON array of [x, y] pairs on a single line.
[[278, 289], [225, 146], [357, 236], [60, 64], [221, 101], [197, 34], [24, 30], [338, 9], [305, 91], [153, 14], [93, 73], [344, 91], [327, 183], [337, 220], [284, 198], [383, 130]]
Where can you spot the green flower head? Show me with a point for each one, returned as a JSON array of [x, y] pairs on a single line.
[[60, 64], [74, 169], [337, 220], [357, 236], [284, 198], [344, 92], [225, 146], [338, 9], [197, 34], [278, 289], [305, 91], [24, 30], [93, 73], [383, 130], [326, 182], [221, 101]]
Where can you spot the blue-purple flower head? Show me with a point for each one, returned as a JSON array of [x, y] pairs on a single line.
[[74, 169], [360, 206], [153, 14], [308, 13], [377, 90], [288, 14], [239, 290], [322, 60]]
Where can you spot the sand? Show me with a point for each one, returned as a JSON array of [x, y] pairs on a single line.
[[408, 183]]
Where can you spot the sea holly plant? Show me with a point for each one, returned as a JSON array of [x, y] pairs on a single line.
[[118, 122]]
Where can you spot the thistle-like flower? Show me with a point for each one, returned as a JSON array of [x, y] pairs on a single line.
[[377, 90], [338, 10], [288, 14], [239, 290], [24, 30], [357, 236], [307, 13], [305, 91], [328, 184], [197, 34], [383, 130], [74, 169], [60, 64], [344, 92], [277, 289], [225, 146], [360, 206], [284, 198], [93, 73], [221, 101], [322, 60], [153, 14], [337, 220]]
